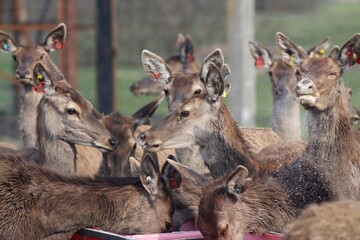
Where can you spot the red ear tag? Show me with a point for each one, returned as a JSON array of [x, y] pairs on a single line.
[[39, 88], [157, 75], [189, 57], [57, 44], [172, 183], [259, 63]]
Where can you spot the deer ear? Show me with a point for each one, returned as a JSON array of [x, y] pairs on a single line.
[[149, 174], [261, 55], [172, 176], [237, 181], [291, 53], [349, 52], [225, 71], [214, 83], [216, 57], [186, 50], [56, 38], [144, 114], [134, 167], [318, 50], [7, 43], [156, 67], [334, 53], [42, 76]]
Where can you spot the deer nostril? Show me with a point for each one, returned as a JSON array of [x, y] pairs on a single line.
[[113, 142], [311, 86]]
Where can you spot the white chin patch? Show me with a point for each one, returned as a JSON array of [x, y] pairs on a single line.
[[307, 100]]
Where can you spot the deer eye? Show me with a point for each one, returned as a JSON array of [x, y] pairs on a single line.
[[197, 92], [42, 56], [15, 58], [71, 111], [184, 114], [238, 189], [270, 74], [166, 91]]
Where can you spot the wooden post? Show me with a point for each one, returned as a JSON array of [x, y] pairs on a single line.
[[67, 10], [242, 79], [105, 56]]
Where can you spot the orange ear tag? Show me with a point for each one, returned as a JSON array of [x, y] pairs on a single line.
[[156, 75], [259, 63], [57, 44]]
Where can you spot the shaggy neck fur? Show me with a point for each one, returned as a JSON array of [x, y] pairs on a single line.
[[222, 146], [29, 101], [334, 151]]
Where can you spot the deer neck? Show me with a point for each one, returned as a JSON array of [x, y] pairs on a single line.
[[334, 151], [29, 101], [57, 155], [285, 119], [222, 147]]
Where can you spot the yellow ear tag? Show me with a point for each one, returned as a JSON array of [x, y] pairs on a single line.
[[322, 52], [291, 61], [39, 77], [224, 94]]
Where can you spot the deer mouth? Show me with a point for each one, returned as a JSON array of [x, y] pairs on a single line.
[[308, 101], [103, 148], [25, 81]]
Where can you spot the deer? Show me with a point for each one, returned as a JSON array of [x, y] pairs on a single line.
[[331, 220], [37, 203], [26, 57], [236, 204], [65, 118], [125, 129], [183, 62], [329, 127], [204, 121], [285, 119], [322, 173]]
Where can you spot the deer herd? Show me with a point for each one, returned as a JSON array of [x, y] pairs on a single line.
[[79, 168]]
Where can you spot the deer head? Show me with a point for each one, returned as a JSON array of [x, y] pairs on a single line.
[[180, 127], [217, 209], [64, 114], [319, 82], [183, 62], [180, 87], [26, 57]]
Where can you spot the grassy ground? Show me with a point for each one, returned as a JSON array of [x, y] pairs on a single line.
[[337, 20]]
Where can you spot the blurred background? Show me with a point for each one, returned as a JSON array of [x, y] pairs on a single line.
[[154, 25]]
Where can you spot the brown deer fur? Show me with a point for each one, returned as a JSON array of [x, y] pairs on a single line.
[[332, 149], [327, 221], [64, 119], [204, 121], [40, 204], [235, 204]]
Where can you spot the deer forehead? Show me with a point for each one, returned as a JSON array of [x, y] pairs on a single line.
[[319, 66]]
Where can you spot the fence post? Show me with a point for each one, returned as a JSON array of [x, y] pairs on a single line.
[[242, 79], [105, 56]]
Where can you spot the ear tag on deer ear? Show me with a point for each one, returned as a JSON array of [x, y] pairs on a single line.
[[189, 57], [259, 63], [156, 75], [322, 52], [224, 93], [57, 44], [6, 46], [353, 58], [39, 77], [291, 63], [172, 183]]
